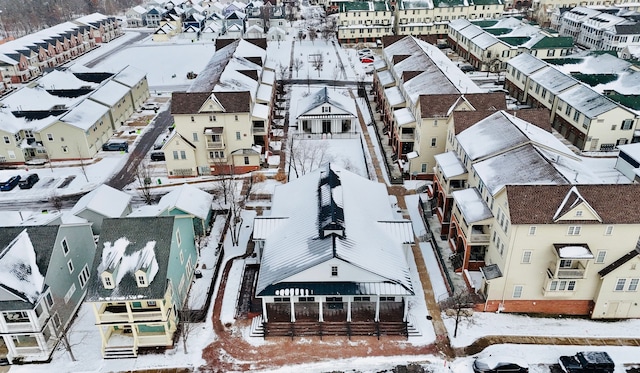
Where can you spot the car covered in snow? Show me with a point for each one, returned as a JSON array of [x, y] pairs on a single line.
[[496, 363], [587, 362]]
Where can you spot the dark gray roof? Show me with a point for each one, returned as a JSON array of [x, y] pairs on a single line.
[[619, 262], [138, 231], [628, 29], [43, 240]]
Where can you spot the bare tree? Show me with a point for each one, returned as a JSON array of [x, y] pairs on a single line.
[[55, 200], [307, 155], [297, 65], [282, 70], [461, 304], [300, 35], [83, 166], [143, 175], [188, 320], [317, 61], [313, 35], [236, 205], [327, 33]]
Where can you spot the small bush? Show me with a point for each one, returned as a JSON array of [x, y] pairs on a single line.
[[281, 176], [259, 177]]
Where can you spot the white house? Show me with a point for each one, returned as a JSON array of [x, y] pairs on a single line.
[[332, 251], [326, 112]]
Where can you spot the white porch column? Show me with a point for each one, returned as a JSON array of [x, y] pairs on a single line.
[[293, 310], [377, 318], [406, 309], [264, 310], [348, 309], [320, 315]]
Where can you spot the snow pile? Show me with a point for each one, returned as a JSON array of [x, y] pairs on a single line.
[[19, 268]]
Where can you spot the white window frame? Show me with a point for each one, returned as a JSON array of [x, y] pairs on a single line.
[[83, 277], [517, 291], [600, 256], [574, 230], [526, 256]]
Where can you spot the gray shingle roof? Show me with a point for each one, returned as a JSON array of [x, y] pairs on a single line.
[[138, 231]]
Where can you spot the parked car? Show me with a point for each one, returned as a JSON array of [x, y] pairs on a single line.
[[500, 364], [364, 52], [29, 181], [150, 106], [587, 362], [10, 184], [467, 68], [157, 156], [115, 146], [366, 60]]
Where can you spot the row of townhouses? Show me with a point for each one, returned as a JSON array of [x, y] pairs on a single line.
[[136, 275], [195, 21], [68, 115], [533, 227], [593, 111], [27, 58], [489, 44], [371, 20], [545, 12], [601, 29], [223, 121]]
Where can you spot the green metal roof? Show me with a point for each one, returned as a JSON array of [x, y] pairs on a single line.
[[447, 3], [364, 6], [515, 40], [498, 31], [485, 23], [630, 101], [413, 4], [485, 2], [564, 61], [595, 79], [554, 42]]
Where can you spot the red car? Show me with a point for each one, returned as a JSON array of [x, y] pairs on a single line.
[[366, 60]]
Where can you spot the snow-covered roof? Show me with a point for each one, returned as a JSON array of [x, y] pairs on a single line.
[[103, 200], [553, 80], [57, 79], [450, 164], [85, 114], [111, 93], [53, 218], [126, 246], [632, 150], [20, 272], [587, 101], [471, 205], [338, 200], [394, 96], [130, 76], [385, 77], [526, 63], [324, 96], [37, 99], [403, 116], [268, 77], [260, 111], [265, 92], [574, 252], [189, 199]]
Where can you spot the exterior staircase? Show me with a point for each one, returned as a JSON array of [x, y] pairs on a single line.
[[257, 327], [120, 352]]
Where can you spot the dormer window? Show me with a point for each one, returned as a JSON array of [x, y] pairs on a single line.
[[142, 280], [107, 281]]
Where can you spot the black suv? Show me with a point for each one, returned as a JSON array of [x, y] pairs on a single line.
[[587, 362], [29, 181], [157, 156], [115, 146]]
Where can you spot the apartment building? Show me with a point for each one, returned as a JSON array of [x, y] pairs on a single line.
[[365, 21], [223, 121], [536, 238], [588, 119]]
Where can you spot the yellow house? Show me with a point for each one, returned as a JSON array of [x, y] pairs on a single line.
[[213, 135]]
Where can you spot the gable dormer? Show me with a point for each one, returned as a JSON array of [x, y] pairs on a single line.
[[575, 207], [212, 104], [108, 280], [141, 278]]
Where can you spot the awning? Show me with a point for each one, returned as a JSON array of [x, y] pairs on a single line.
[[573, 251]]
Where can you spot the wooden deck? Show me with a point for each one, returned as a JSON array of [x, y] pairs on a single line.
[[314, 328]]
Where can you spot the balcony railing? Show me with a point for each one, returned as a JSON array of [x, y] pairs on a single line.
[[215, 145], [407, 136], [259, 130], [565, 273], [153, 339], [479, 238], [111, 316]]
